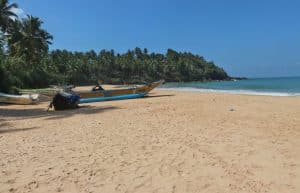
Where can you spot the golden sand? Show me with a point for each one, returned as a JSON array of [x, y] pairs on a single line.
[[169, 142]]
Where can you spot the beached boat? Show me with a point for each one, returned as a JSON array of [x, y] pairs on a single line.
[[117, 94], [25, 99], [49, 92], [95, 95]]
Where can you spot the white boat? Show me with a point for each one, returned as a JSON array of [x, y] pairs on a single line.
[[25, 99]]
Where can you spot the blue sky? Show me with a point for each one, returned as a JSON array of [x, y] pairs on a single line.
[[258, 38]]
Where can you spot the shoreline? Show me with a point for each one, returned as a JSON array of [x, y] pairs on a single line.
[[231, 92]]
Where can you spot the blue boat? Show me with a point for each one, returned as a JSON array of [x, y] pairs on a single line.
[[120, 97]]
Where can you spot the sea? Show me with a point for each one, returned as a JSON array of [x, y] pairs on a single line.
[[283, 86]]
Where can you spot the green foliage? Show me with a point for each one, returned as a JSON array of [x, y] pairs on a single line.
[[134, 66], [82, 68], [29, 40], [8, 81], [6, 15]]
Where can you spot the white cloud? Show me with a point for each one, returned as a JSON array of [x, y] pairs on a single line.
[[19, 12]]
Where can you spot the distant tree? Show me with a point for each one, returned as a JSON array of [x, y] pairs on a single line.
[[138, 53], [172, 55], [145, 51]]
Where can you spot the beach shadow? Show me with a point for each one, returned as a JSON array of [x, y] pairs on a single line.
[[41, 112], [4, 128], [3, 131], [5, 104], [86, 109], [3, 124], [162, 95]]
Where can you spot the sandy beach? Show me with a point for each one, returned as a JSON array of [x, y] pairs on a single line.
[[169, 142]]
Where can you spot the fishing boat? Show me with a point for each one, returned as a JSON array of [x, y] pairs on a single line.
[[25, 99], [48, 92], [97, 95]]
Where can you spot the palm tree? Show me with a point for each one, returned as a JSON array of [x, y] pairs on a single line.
[[6, 15], [29, 40]]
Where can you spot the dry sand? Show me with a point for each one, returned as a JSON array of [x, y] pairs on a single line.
[[169, 142]]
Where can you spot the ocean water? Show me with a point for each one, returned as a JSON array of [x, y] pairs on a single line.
[[288, 86]]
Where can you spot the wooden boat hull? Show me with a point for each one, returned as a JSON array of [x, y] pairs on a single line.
[[48, 92], [19, 99], [118, 92]]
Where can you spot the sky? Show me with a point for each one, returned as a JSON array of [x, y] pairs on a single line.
[[257, 38]]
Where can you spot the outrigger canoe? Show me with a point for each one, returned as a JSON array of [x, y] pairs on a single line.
[[99, 95], [117, 94], [48, 92], [25, 99]]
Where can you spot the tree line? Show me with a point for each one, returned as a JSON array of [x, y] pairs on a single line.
[[26, 62]]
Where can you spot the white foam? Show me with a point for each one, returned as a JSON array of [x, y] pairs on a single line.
[[243, 92]]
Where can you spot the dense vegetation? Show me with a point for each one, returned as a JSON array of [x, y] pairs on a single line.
[[26, 62]]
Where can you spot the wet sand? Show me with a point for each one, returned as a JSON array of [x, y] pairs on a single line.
[[167, 142]]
